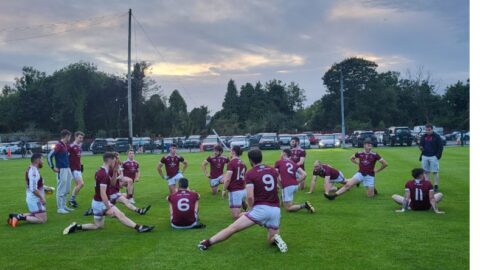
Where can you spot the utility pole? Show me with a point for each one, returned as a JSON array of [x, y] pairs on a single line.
[[342, 109], [129, 78]]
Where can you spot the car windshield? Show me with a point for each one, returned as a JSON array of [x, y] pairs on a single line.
[[238, 139], [210, 140], [402, 130], [366, 134], [267, 138]]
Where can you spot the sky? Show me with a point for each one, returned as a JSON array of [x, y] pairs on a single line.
[[197, 46]]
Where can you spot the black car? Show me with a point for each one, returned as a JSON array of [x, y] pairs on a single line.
[[193, 141], [397, 135], [121, 145], [100, 146], [269, 141], [357, 140]]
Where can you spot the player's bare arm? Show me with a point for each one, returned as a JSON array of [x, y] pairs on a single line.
[[406, 199], [303, 175], [137, 176], [433, 202], [250, 198], [159, 170], [103, 194], [39, 195], [204, 168], [384, 165], [185, 165], [312, 184], [227, 178], [354, 160], [302, 160]]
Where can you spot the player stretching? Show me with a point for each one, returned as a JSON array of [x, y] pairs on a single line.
[[35, 195], [298, 156], [288, 172], [263, 199], [217, 163], [75, 152], [62, 169], [366, 161], [235, 183], [330, 175], [131, 169], [101, 205], [172, 166], [416, 197], [184, 207]]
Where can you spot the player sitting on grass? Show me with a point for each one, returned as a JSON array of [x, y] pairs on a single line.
[[366, 161], [330, 175], [416, 197], [172, 166], [102, 206], [288, 172], [123, 180], [262, 197], [131, 170], [235, 183], [217, 163], [184, 207], [35, 195]]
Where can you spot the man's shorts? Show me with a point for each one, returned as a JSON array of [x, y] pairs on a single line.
[[34, 205], [288, 192], [340, 179], [99, 210], [265, 215], [77, 175], [235, 198], [216, 181], [184, 227], [430, 164], [114, 197], [367, 180], [174, 179]]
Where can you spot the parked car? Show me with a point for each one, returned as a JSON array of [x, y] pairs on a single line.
[[101, 145], [209, 143], [241, 141], [397, 135], [121, 145], [166, 142], [452, 136], [312, 138], [379, 135], [284, 139], [357, 140], [328, 140], [49, 146], [14, 147], [35, 147], [304, 141], [193, 141], [145, 142], [269, 141], [348, 138]]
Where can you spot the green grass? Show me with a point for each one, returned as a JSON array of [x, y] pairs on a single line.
[[353, 232]]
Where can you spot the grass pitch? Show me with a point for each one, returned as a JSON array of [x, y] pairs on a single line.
[[352, 232]]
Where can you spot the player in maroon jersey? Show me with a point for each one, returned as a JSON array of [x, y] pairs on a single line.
[[184, 207], [172, 166], [101, 205], [217, 163], [416, 197], [35, 195], [75, 152], [331, 176], [298, 156], [366, 161], [235, 183], [262, 198], [131, 170], [288, 181]]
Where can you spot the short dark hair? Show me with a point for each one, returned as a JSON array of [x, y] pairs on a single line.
[[295, 138], [428, 125], [255, 155], [287, 151], [173, 145], [108, 155], [130, 150], [64, 133], [35, 156], [183, 183], [218, 148], [417, 172], [237, 150], [79, 133], [367, 141]]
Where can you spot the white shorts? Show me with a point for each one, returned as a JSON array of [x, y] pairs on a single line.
[[77, 175], [235, 198], [174, 179], [216, 181], [34, 205], [114, 197], [340, 179], [367, 180], [99, 210], [265, 215], [287, 193], [430, 164]]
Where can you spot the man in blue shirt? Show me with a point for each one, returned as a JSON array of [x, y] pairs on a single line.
[[62, 169], [431, 146]]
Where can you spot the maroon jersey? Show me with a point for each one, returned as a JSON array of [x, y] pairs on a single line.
[[238, 169], [216, 165], [115, 188], [130, 168], [172, 164], [327, 170], [75, 151], [264, 181], [288, 172], [102, 177], [33, 179], [298, 153], [419, 194], [183, 207], [366, 165]]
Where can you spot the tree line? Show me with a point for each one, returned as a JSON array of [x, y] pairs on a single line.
[[80, 97]]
